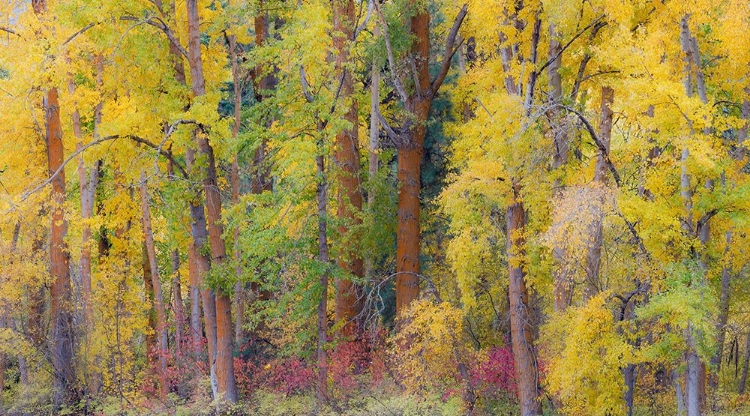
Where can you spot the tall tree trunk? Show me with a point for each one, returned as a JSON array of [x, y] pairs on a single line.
[[410, 165], [239, 287], [695, 383], [726, 278], [561, 273], [524, 356], [152, 344], [161, 315], [224, 334], [373, 159], [61, 316], [346, 159], [594, 256], [322, 200], [202, 261]]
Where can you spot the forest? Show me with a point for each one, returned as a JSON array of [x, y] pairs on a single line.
[[374, 207]]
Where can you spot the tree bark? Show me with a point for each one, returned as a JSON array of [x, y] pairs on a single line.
[[594, 256], [726, 279], [196, 331], [743, 380], [199, 233], [61, 316], [411, 146], [346, 159], [161, 315], [521, 341], [322, 200], [223, 305], [410, 165]]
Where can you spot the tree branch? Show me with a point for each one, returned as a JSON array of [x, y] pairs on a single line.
[[11, 31], [159, 24], [596, 22], [136, 139], [305, 86], [450, 50], [75, 35], [361, 27], [598, 142], [391, 60]]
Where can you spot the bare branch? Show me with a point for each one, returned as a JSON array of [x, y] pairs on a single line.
[[75, 35], [387, 127], [136, 139], [602, 148], [450, 50], [596, 23], [391, 60], [158, 23], [11, 31], [361, 27], [305, 86]]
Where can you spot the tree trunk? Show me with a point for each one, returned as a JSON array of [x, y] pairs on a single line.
[[629, 373], [161, 315], [374, 123], [199, 233], [410, 165], [177, 303], [196, 332], [346, 159], [743, 380], [61, 316], [223, 305], [726, 278], [593, 259], [322, 199], [522, 345], [239, 287]]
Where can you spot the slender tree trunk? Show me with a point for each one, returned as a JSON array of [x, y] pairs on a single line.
[[196, 332], [322, 199], [161, 315], [524, 356], [223, 305], [726, 278], [239, 287], [373, 160], [560, 274], [743, 380], [177, 303], [202, 261], [346, 159], [593, 259]]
